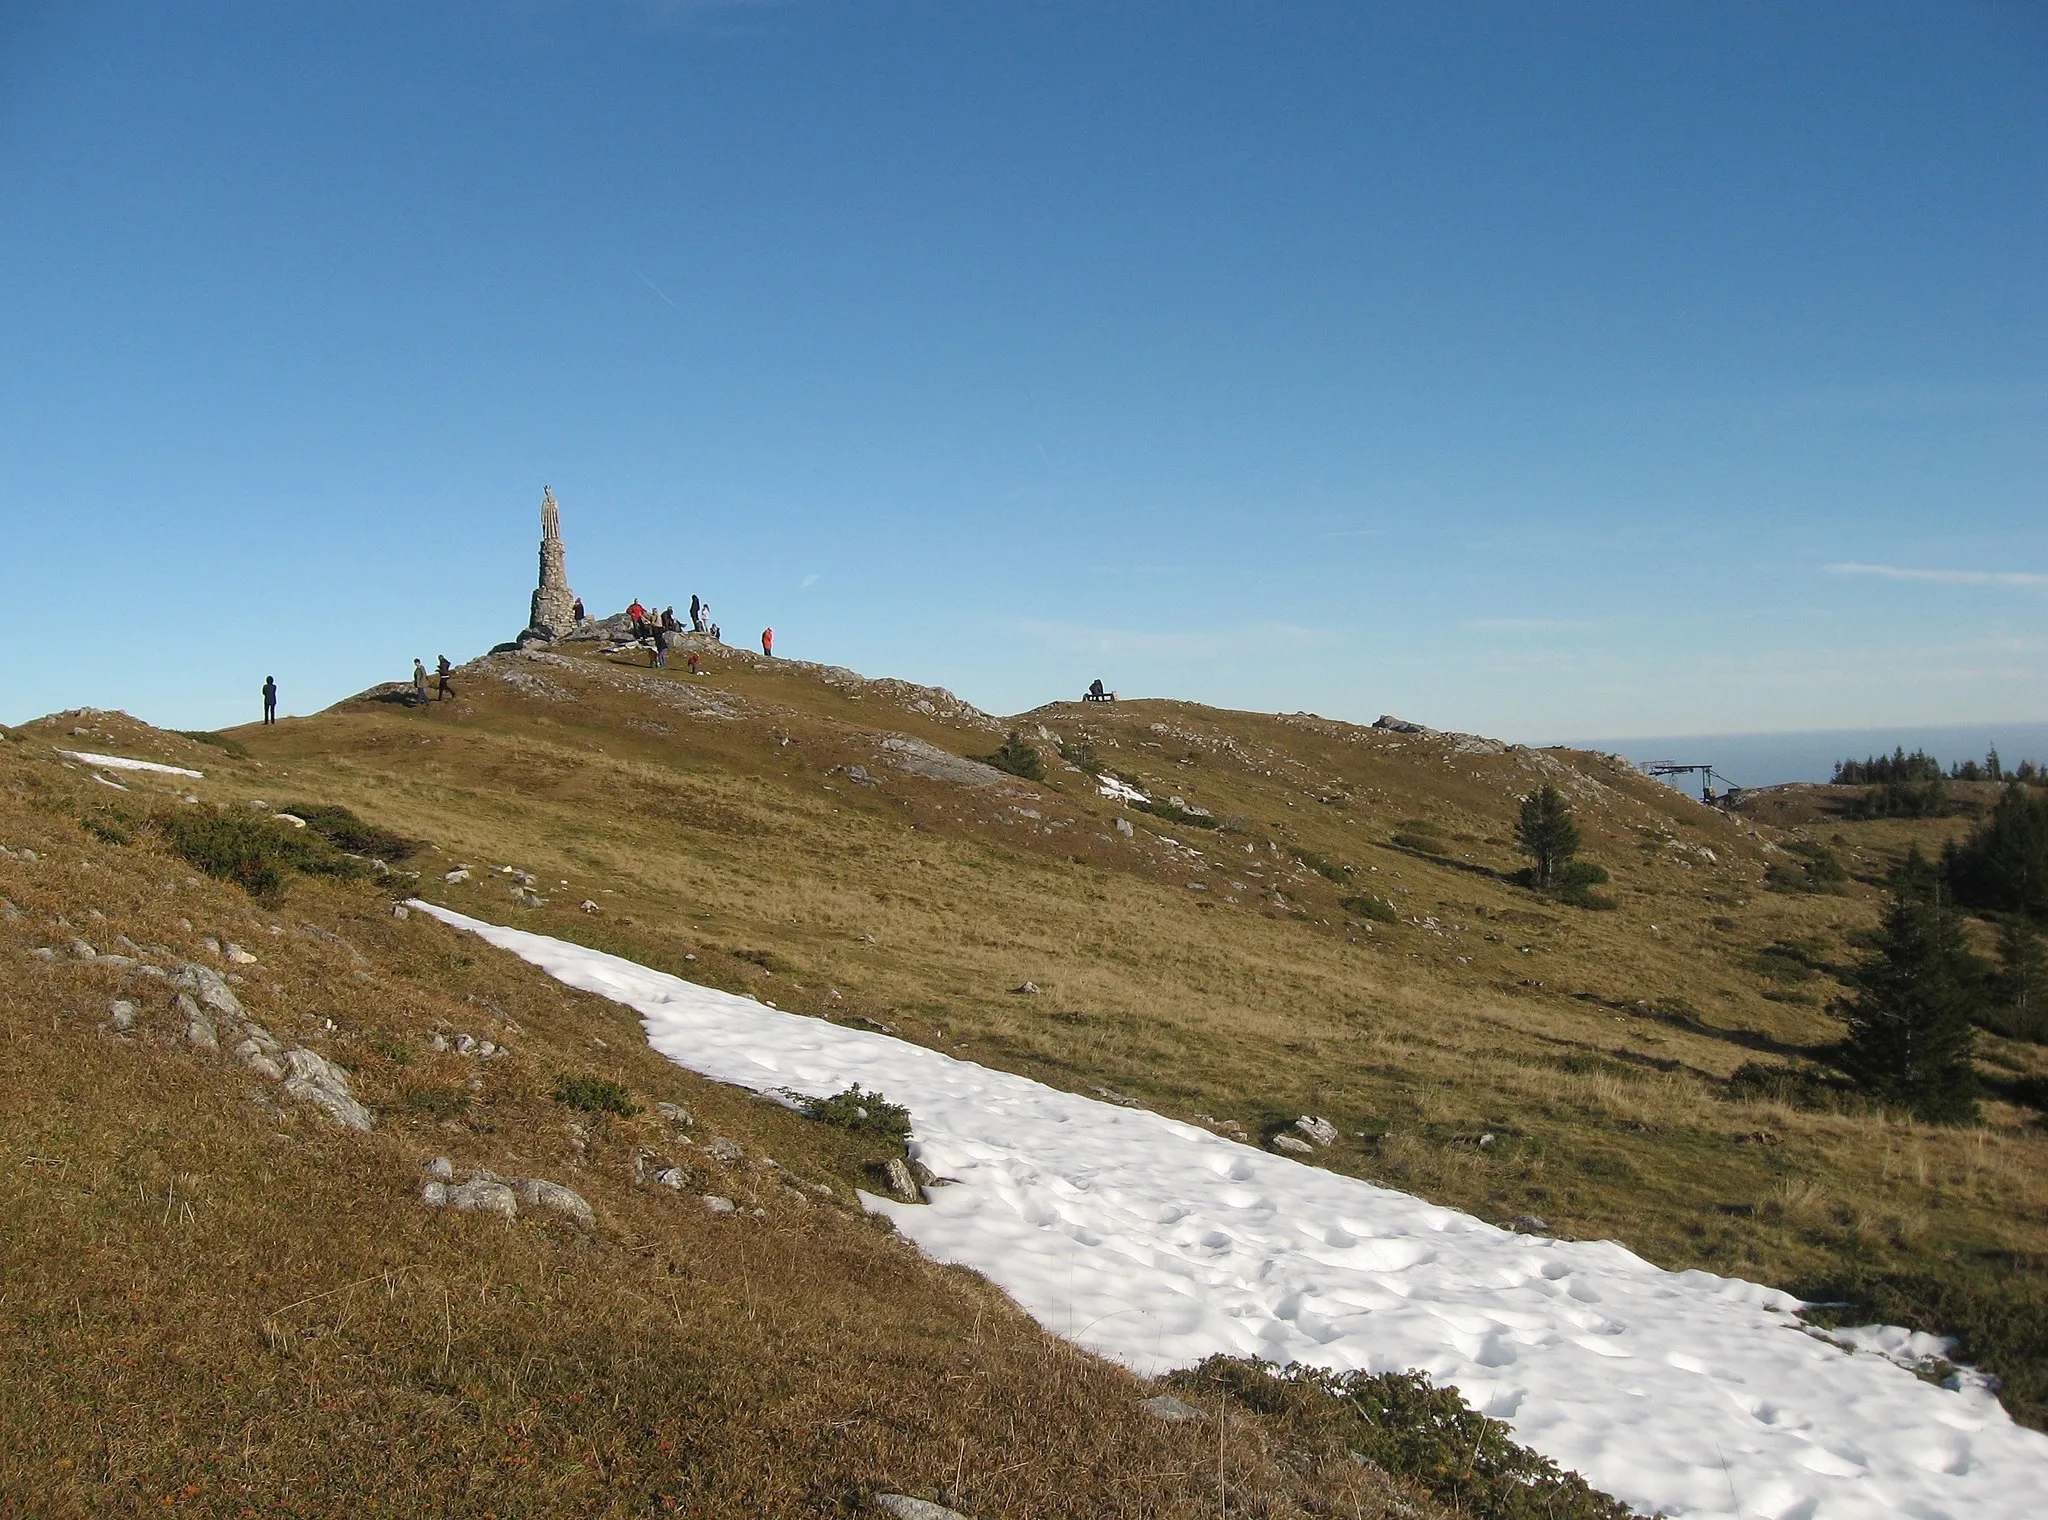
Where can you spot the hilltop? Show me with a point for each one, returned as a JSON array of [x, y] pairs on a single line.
[[1275, 916]]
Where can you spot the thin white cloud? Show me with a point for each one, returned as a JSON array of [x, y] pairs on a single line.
[[1257, 639], [1355, 533], [1534, 625], [1942, 577], [809, 581]]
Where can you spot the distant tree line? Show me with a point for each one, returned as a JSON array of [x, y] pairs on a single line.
[[1920, 767]]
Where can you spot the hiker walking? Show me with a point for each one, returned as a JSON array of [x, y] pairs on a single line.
[[696, 666], [659, 658], [768, 642], [444, 690], [419, 683], [270, 699]]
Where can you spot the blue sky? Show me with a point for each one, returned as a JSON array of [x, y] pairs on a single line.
[[1545, 371]]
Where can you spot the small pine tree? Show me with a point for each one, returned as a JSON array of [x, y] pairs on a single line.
[[1547, 834], [1910, 1022], [2020, 1004], [1018, 758]]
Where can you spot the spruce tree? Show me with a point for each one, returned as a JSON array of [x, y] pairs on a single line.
[[1910, 1021], [1547, 834], [2021, 1008]]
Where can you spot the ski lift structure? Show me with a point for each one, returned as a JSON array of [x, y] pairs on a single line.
[[1664, 770]]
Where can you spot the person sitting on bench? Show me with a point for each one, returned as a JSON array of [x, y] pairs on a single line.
[[1095, 693]]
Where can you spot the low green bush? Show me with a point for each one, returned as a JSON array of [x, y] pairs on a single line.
[[1406, 1425], [1421, 844], [1323, 866], [342, 829], [1018, 758], [1159, 807], [864, 1113], [233, 747], [1375, 908], [1802, 1087], [253, 850], [1081, 757], [595, 1095]]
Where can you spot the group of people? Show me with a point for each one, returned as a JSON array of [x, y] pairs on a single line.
[[419, 682], [646, 622]]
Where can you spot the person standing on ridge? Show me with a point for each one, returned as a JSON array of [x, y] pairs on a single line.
[[768, 642], [444, 690], [579, 609], [696, 614], [270, 699], [419, 683]]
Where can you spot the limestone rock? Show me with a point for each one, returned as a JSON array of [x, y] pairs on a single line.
[[400, 910], [1293, 1144], [671, 1177], [199, 1030], [1166, 1407], [1123, 827], [237, 954], [208, 986], [719, 1205], [903, 1507], [536, 1193], [43, 953], [480, 1197], [440, 1169], [316, 1080], [1026, 989], [9, 912], [897, 1176], [459, 874], [123, 1015], [675, 1113], [83, 951], [722, 1149], [1321, 1131]]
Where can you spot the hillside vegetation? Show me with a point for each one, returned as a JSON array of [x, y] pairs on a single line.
[[1283, 915]]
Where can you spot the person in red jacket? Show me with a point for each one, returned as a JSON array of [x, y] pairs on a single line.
[[768, 642]]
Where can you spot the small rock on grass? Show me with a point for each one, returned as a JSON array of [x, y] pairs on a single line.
[[538, 1194], [440, 1169], [123, 1014], [1166, 1407], [903, 1507], [719, 1205], [478, 1197], [316, 1080], [1321, 1131], [1293, 1144], [896, 1172]]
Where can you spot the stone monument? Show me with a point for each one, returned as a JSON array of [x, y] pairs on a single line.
[[554, 604]]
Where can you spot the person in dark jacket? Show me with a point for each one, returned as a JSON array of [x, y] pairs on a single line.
[[696, 614], [579, 609], [444, 690], [270, 699]]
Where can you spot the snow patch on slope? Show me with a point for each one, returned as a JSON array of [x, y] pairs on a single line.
[[1157, 1244]]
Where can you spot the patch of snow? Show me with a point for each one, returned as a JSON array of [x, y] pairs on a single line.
[[121, 763], [1158, 1243], [1119, 791]]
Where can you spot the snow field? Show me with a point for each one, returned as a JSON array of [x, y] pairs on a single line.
[[122, 763], [1157, 1244]]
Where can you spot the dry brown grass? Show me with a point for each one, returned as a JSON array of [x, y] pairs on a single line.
[[212, 1301]]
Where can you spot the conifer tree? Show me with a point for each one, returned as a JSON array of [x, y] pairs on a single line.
[[2022, 985], [1547, 834], [1910, 1021]]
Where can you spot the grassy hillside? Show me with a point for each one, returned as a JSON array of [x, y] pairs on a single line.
[[1325, 923], [214, 1300]]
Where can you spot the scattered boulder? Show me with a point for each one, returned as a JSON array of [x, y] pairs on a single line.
[[210, 988], [199, 1030], [440, 1169], [83, 951], [675, 1113], [477, 1196], [316, 1080], [896, 1176], [719, 1205], [1321, 1131], [459, 874], [536, 1193], [400, 910], [1123, 827], [671, 1177], [1166, 1407], [123, 1015], [1027, 989], [237, 954], [903, 1507], [9, 912], [1528, 1224], [1293, 1144], [722, 1149]]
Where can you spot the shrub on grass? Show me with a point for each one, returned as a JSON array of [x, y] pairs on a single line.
[[1018, 758], [256, 852], [342, 829], [1081, 757], [1800, 1087], [1323, 866], [1159, 807], [1376, 908], [1818, 870], [1406, 1425], [1419, 842], [595, 1095], [864, 1113]]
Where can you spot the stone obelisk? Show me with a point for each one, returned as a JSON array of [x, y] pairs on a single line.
[[554, 604]]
